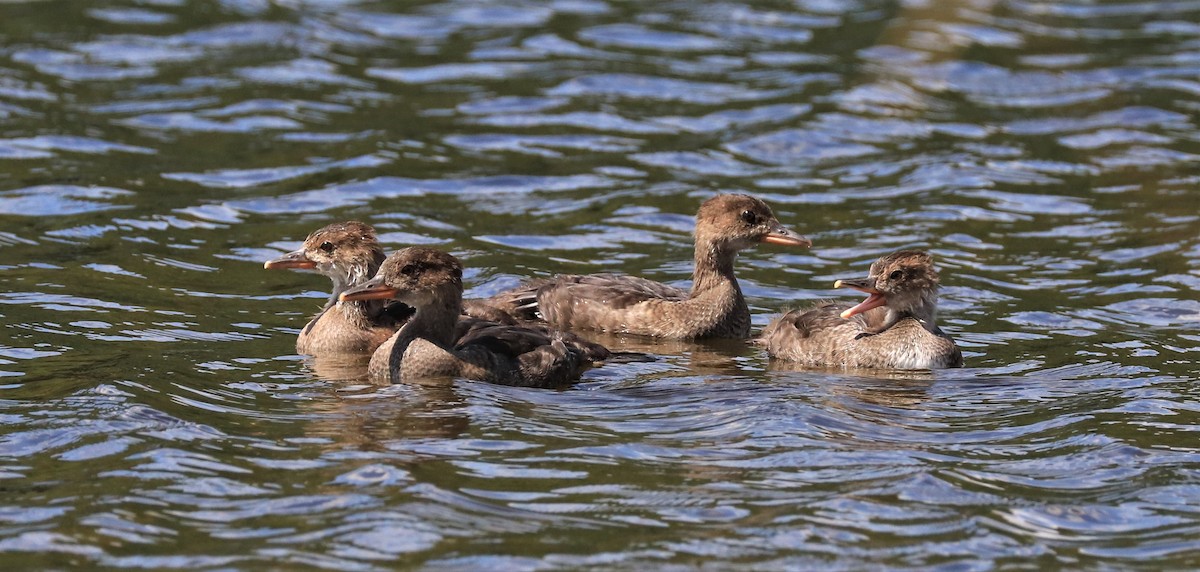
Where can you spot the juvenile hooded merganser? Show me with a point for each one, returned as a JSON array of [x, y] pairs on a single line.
[[437, 342], [349, 254], [715, 307], [894, 327]]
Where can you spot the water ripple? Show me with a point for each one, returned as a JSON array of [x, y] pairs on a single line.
[[154, 414], [241, 178], [656, 88], [51, 200], [640, 37]]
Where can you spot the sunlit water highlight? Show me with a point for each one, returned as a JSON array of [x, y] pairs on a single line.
[[152, 414]]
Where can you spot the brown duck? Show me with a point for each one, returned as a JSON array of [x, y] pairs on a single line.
[[349, 254], [437, 343], [715, 307], [893, 328]]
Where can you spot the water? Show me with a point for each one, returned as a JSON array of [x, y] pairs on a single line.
[[153, 154]]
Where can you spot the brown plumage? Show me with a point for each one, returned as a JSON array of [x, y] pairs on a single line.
[[715, 307], [349, 254], [436, 342], [895, 327]]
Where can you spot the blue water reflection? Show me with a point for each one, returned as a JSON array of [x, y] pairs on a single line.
[[153, 414]]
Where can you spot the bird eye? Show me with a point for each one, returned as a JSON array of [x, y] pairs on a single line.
[[327, 246], [895, 275], [409, 269], [749, 217]]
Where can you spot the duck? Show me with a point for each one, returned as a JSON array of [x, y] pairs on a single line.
[[620, 304], [894, 328], [438, 342], [348, 253]]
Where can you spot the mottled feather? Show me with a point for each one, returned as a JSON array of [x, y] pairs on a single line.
[[901, 335], [438, 342], [714, 308], [348, 253]]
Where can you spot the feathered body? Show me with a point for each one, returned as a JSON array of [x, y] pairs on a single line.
[[714, 308], [437, 342], [349, 254], [894, 328]]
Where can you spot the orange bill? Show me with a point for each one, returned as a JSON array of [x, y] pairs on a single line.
[[786, 237], [373, 289], [293, 259], [875, 300]]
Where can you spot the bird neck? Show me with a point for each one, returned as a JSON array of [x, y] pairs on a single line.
[[357, 312], [713, 267], [924, 310], [435, 318]]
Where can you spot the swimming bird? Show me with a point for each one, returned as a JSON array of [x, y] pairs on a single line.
[[895, 327], [348, 253], [714, 308], [436, 342]]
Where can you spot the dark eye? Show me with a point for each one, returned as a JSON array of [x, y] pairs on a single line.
[[327, 246], [409, 269], [895, 275], [749, 217]]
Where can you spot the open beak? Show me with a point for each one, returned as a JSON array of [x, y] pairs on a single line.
[[785, 237], [373, 289], [875, 300], [293, 259]]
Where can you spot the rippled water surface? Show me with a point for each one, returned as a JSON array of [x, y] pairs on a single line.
[[154, 153]]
